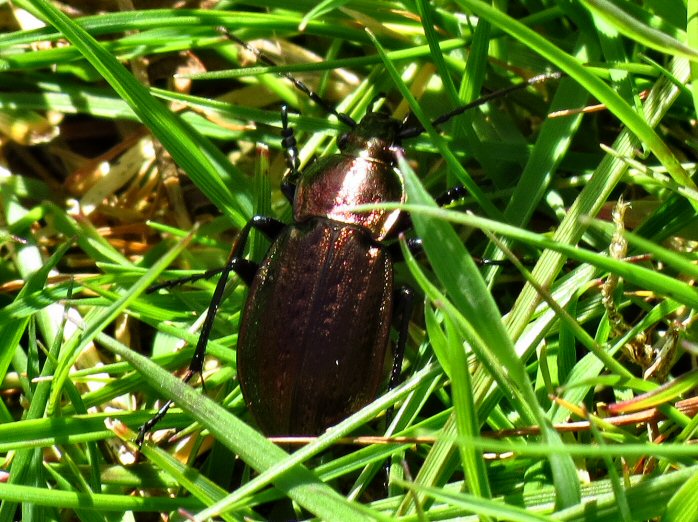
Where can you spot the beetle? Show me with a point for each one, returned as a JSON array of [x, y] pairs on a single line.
[[321, 303], [315, 329], [330, 276]]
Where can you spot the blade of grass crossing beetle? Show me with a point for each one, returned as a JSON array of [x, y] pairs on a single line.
[[466, 330], [458, 273], [297, 482], [454, 357], [644, 277]]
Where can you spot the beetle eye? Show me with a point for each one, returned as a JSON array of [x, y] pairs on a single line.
[[343, 141]]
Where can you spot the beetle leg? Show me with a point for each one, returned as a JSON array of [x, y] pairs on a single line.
[[288, 142], [452, 195], [404, 304], [270, 227], [242, 271], [414, 245], [246, 270]]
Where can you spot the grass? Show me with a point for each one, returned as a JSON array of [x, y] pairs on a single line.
[[522, 384]]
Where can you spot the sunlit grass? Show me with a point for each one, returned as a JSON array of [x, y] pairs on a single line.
[[97, 156]]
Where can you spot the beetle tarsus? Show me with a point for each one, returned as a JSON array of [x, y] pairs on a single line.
[[150, 423]]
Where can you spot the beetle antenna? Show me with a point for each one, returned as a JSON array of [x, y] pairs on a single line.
[[315, 97], [412, 132]]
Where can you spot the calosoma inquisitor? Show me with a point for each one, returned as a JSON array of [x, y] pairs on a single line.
[[314, 334]]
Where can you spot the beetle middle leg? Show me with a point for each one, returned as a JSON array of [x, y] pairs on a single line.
[[246, 270]]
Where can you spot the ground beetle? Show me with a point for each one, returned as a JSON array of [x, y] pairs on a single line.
[[314, 334]]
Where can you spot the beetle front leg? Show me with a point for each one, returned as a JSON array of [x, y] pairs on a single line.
[[288, 142], [246, 270]]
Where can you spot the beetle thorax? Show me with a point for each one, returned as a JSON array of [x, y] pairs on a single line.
[[363, 173]]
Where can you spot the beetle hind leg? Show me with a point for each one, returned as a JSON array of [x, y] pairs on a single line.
[[404, 305], [246, 270]]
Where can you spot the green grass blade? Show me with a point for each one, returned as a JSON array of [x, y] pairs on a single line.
[[605, 94], [204, 162], [457, 271], [628, 25], [299, 483]]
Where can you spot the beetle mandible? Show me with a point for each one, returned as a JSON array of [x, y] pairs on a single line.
[[321, 303]]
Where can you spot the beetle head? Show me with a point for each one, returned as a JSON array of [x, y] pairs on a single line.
[[372, 137]]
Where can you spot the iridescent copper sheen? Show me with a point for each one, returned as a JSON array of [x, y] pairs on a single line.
[[313, 341], [362, 173], [314, 334]]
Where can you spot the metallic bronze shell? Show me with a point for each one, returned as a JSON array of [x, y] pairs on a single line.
[[315, 330], [363, 173], [334, 183]]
